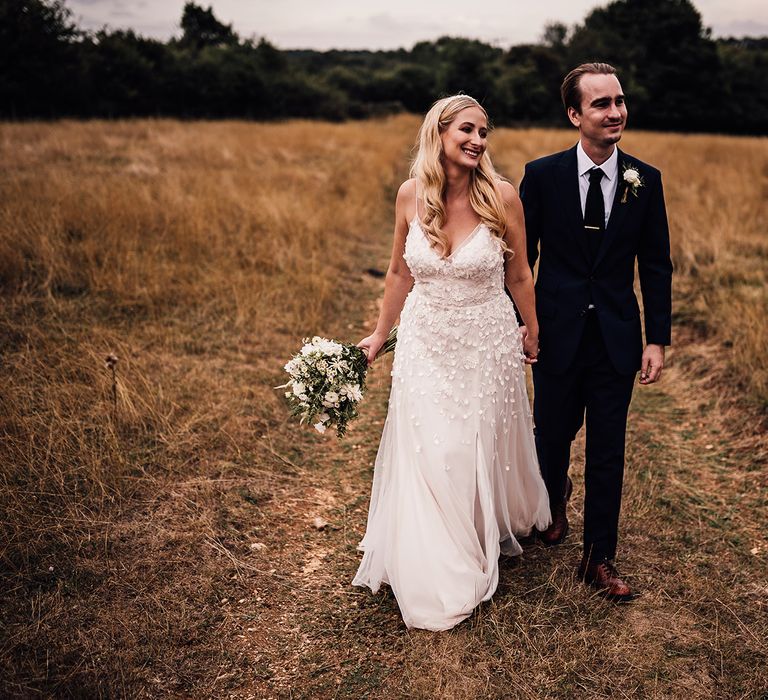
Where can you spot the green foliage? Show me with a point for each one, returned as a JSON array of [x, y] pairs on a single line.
[[745, 70], [662, 49], [675, 75], [37, 54], [202, 29]]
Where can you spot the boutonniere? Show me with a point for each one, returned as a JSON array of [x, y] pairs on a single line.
[[632, 181]]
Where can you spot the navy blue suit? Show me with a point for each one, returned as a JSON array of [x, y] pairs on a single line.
[[589, 357]]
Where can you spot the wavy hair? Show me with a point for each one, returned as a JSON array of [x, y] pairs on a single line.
[[484, 195]]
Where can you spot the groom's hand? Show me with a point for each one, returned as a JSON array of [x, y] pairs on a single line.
[[651, 364]]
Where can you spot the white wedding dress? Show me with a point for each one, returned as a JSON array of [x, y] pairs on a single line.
[[456, 476]]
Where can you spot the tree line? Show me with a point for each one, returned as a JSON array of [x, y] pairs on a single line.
[[676, 76]]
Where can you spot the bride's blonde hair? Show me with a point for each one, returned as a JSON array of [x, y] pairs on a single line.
[[484, 195]]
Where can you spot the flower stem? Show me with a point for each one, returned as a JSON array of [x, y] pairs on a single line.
[[390, 342]]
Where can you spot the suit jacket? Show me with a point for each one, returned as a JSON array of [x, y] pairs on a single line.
[[569, 281]]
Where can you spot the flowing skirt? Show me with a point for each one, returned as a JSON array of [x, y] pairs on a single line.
[[456, 477]]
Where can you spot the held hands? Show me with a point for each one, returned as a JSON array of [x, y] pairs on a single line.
[[651, 364], [530, 346], [371, 345]]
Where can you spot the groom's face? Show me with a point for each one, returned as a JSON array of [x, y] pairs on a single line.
[[603, 114]]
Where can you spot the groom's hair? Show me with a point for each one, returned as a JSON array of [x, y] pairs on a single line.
[[570, 91]]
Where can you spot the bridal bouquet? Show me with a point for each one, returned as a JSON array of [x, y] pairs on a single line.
[[327, 381]]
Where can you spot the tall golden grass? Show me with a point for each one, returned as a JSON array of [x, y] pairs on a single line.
[[200, 253]]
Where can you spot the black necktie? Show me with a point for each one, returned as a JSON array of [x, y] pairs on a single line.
[[594, 212]]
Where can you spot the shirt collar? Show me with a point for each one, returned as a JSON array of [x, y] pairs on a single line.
[[585, 164]]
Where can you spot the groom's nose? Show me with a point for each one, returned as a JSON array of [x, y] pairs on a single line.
[[613, 111]]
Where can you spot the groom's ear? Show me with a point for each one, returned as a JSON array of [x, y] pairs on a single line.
[[574, 116]]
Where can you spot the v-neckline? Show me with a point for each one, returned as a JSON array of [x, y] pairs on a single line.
[[463, 242]]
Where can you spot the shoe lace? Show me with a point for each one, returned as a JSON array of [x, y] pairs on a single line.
[[608, 568]]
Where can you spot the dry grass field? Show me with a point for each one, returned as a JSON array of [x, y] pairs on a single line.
[[157, 533]]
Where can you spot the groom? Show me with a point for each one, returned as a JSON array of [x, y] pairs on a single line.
[[590, 212]]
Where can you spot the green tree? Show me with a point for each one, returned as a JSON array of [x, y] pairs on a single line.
[[669, 65], [126, 75], [745, 75], [201, 28], [39, 56], [466, 65]]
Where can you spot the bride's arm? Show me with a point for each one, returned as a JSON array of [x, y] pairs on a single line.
[[517, 273], [399, 280]]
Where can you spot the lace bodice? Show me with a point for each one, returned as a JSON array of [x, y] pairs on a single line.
[[472, 274], [456, 322]]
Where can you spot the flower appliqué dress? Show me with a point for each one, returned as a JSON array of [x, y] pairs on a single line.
[[456, 477]]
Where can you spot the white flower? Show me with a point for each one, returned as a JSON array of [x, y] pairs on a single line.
[[303, 397], [294, 365], [632, 177], [353, 391], [339, 366], [327, 347], [299, 388], [331, 399], [320, 427], [308, 349]]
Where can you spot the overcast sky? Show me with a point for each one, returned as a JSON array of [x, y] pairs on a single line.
[[388, 24]]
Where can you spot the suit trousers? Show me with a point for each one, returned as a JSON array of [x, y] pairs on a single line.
[[591, 386]]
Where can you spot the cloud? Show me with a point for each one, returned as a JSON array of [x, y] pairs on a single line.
[[739, 28]]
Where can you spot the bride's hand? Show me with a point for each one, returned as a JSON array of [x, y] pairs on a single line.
[[371, 346], [530, 346]]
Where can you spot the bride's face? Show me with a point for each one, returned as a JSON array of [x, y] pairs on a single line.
[[464, 139]]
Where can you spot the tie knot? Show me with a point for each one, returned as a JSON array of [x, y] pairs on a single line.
[[595, 175]]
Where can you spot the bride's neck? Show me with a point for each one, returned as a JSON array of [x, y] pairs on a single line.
[[456, 183]]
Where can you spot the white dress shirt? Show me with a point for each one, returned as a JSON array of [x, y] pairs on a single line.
[[609, 182]]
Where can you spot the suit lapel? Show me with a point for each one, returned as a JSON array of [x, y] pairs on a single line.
[[568, 185], [618, 212]]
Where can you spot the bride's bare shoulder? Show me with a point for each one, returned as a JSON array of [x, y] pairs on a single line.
[[507, 190], [407, 189], [406, 199]]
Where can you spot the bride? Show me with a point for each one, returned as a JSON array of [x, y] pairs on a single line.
[[456, 477]]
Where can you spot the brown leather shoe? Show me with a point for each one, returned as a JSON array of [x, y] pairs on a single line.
[[603, 576], [558, 530]]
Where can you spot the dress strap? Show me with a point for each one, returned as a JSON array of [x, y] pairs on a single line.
[[416, 193]]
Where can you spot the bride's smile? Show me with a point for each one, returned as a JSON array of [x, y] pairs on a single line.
[[464, 141]]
